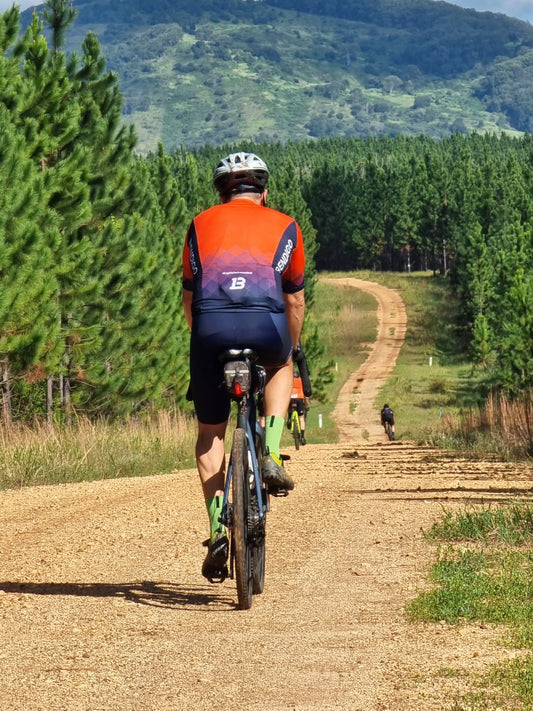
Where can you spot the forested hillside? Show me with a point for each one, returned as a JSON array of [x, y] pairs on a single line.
[[91, 233], [196, 73]]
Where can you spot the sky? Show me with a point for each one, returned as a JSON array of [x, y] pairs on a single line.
[[523, 9]]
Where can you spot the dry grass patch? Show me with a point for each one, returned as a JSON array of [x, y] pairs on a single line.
[[49, 453]]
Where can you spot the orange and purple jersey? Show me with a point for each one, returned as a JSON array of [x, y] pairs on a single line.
[[242, 255]]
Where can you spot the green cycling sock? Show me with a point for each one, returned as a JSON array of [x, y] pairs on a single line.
[[273, 431], [214, 509]]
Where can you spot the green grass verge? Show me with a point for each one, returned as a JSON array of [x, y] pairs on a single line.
[[485, 575]]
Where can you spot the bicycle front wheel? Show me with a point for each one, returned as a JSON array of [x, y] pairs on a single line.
[[257, 523], [296, 430], [240, 488]]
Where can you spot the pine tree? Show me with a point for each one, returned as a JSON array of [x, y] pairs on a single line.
[[145, 336], [59, 15], [515, 358], [328, 202], [101, 150], [28, 287]]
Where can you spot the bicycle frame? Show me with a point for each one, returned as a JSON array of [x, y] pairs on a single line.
[[294, 417], [239, 386], [246, 419]]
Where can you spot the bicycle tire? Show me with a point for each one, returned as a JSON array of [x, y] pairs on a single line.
[[390, 433], [258, 543], [258, 563], [240, 488]]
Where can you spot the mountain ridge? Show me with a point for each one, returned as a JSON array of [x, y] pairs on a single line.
[[193, 73]]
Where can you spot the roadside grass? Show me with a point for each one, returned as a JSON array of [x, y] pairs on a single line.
[[53, 454], [484, 575], [501, 426]]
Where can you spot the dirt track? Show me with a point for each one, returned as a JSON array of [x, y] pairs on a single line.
[[103, 607]]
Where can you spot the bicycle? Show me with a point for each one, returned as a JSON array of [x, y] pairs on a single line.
[[293, 424], [293, 420], [246, 497], [388, 431]]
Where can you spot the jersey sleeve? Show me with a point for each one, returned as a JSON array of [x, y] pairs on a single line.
[[187, 276], [293, 278]]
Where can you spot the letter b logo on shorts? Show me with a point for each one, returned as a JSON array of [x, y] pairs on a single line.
[[238, 283]]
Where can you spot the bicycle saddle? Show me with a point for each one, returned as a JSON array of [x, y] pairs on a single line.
[[236, 353]]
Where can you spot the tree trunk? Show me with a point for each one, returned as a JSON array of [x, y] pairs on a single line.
[[6, 394], [66, 400], [49, 399], [65, 391]]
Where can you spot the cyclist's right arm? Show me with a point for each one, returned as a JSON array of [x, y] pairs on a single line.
[[187, 279], [186, 299]]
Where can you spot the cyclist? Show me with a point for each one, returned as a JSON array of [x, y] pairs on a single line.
[[301, 403], [387, 415], [243, 282]]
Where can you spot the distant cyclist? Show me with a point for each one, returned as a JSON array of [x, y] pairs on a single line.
[[243, 286], [301, 403], [387, 417]]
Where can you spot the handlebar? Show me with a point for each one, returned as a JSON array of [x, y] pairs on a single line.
[[298, 357]]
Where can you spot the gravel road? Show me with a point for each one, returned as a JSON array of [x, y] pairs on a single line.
[[103, 607]]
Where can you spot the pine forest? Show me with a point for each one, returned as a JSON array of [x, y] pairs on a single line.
[[92, 233]]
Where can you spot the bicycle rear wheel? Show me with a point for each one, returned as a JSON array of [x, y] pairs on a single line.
[[240, 487], [390, 433]]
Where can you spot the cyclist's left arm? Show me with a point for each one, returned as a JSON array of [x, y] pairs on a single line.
[[293, 282], [295, 309]]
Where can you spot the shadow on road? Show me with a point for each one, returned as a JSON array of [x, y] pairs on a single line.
[[147, 592]]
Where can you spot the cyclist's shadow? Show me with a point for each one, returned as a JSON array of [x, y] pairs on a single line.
[[146, 592]]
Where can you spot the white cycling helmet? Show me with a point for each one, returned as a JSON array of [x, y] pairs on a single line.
[[240, 172]]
